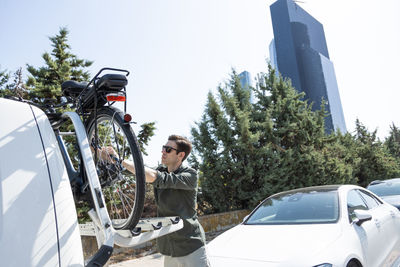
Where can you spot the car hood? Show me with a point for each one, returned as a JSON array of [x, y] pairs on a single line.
[[274, 243]]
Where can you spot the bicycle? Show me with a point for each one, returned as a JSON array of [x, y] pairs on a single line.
[[105, 125]]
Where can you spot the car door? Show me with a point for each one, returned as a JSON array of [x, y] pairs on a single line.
[[385, 219], [370, 234]]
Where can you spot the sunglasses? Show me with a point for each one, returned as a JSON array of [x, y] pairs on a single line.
[[168, 149]]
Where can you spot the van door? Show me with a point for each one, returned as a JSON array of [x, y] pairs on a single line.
[[33, 230]]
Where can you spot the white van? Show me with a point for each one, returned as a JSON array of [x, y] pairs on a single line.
[[38, 221]]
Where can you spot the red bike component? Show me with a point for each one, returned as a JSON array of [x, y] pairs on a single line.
[[116, 97], [127, 117]]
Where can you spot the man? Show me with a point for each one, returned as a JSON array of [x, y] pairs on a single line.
[[175, 190]]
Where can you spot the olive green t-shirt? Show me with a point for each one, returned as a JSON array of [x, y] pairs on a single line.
[[176, 195]]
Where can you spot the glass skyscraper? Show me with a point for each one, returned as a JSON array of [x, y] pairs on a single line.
[[245, 82], [299, 52]]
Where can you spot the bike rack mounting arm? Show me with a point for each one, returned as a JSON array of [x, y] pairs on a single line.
[[105, 251], [105, 234]]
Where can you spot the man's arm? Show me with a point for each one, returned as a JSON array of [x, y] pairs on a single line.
[[185, 180], [151, 174], [106, 153]]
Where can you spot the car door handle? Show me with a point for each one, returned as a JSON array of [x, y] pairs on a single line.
[[377, 223], [392, 214]]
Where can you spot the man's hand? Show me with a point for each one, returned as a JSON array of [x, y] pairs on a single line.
[[108, 154]]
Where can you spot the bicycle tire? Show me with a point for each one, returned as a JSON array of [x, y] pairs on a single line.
[[124, 192]]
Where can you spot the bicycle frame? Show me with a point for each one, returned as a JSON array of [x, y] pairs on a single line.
[[74, 175]]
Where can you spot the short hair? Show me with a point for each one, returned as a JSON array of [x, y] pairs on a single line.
[[182, 143]]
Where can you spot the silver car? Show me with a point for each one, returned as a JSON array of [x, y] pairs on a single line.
[[388, 190]]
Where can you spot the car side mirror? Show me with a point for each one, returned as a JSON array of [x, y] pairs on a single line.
[[362, 216]]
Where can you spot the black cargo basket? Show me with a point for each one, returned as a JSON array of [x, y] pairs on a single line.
[[109, 83], [113, 82]]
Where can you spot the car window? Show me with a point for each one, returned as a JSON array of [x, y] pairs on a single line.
[[298, 208], [355, 202], [372, 202], [386, 188]]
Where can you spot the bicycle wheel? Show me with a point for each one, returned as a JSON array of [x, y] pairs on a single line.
[[123, 191]]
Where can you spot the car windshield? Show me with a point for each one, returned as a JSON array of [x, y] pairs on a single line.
[[385, 189], [304, 207]]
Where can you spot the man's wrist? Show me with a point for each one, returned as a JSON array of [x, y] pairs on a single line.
[[128, 165]]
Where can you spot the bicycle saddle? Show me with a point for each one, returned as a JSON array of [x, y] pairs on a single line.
[[73, 88]]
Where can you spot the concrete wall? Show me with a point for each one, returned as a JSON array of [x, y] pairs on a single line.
[[222, 221]]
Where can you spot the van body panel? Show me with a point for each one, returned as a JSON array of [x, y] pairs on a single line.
[[38, 222]]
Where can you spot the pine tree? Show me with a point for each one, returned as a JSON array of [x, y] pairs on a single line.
[[4, 77], [376, 163], [249, 151], [392, 142], [221, 140], [303, 155], [4, 80], [61, 65], [16, 88], [145, 135]]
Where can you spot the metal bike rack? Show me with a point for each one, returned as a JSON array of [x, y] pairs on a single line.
[[106, 235]]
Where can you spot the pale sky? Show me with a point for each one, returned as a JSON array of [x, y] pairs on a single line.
[[179, 50]]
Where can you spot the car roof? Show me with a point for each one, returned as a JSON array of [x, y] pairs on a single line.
[[311, 188], [393, 180], [335, 187]]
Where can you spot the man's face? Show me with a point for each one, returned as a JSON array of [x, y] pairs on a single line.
[[171, 158]]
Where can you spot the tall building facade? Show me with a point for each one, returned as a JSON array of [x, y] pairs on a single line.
[[245, 82], [299, 52]]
